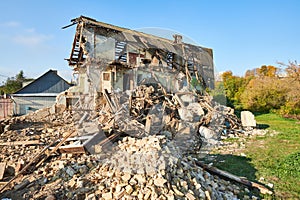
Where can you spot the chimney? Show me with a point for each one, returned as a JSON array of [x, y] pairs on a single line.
[[54, 71], [177, 39]]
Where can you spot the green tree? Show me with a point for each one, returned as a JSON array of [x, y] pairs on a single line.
[[218, 93], [20, 76], [13, 84], [234, 86]]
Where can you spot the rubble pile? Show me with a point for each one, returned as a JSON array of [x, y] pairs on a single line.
[[143, 144], [147, 168], [153, 168], [23, 136], [193, 121]]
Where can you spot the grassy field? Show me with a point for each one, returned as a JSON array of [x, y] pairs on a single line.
[[271, 158]]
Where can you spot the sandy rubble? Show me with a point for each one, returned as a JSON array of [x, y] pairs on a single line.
[[151, 167], [145, 145]]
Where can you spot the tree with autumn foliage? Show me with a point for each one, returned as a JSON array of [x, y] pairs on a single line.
[[264, 89], [264, 94], [234, 86], [291, 108], [267, 71]]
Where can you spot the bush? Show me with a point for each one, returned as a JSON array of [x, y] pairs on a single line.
[[264, 94]]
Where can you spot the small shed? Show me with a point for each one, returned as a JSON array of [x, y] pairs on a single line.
[[40, 93]]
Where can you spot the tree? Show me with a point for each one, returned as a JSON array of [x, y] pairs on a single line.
[[234, 87], [218, 93], [267, 71], [291, 108], [20, 76], [264, 94], [13, 84], [292, 70], [250, 73], [262, 90]]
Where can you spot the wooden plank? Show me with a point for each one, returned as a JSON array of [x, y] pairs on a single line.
[[84, 137], [148, 124], [72, 149], [2, 169], [103, 142], [16, 143], [263, 189], [176, 97], [55, 148], [108, 100]]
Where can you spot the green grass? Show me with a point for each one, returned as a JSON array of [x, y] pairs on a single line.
[[275, 157], [278, 159]]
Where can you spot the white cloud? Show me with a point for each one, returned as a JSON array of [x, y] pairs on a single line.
[[30, 30], [10, 24], [32, 39], [28, 37]]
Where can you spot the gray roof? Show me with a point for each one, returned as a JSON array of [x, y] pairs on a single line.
[[48, 83]]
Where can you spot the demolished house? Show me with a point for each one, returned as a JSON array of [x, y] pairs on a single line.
[[140, 83], [134, 126], [119, 58]]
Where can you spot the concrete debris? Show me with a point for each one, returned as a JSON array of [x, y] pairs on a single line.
[[248, 119], [147, 168], [142, 144], [150, 110], [131, 128]]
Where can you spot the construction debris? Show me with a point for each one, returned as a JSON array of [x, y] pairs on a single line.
[[101, 162], [248, 119], [134, 127], [2, 169]]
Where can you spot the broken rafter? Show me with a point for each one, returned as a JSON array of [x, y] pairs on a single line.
[[263, 189], [109, 101], [55, 148], [2, 169], [16, 143]]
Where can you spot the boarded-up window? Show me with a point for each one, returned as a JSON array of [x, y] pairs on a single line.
[[106, 76]]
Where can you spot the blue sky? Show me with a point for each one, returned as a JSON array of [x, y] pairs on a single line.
[[243, 34]]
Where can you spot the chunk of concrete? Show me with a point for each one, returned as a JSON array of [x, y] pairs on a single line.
[[207, 133], [248, 119], [192, 113]]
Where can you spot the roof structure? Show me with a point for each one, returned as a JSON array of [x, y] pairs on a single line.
[[49, 83], [136, 39], [94, 40]]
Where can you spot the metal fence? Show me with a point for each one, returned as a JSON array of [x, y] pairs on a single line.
[[6, 107]]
